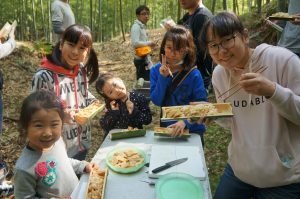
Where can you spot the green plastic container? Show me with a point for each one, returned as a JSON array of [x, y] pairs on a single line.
[[127, 134], [178, 186], [126, 170]]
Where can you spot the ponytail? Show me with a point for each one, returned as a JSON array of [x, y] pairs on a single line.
[[92, 66]]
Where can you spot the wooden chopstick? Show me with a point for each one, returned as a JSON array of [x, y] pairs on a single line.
[[259, 70], [52, 194], [170, 72]]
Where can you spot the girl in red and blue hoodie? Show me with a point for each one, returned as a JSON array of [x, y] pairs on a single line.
[[64, 73]]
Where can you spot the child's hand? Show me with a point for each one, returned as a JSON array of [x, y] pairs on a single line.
[[92, 165], [257, 84], [69, 115], [114, 105], [297, 19], [202, 120], [152, 44], [164, 69], [178, 128], [129, 106]]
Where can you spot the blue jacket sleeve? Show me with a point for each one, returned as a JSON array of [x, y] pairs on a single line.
[[158, 85]]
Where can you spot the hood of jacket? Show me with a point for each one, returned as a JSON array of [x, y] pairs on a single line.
[[46, 64]]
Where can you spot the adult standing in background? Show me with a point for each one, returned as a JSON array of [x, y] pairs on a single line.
[[5, 49], [139, 38], [290, 37], [194, 20], [62, 18]]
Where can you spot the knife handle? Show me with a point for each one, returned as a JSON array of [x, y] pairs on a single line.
[[159, 169]]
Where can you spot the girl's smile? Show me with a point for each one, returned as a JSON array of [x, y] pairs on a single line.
[[73, 54], [114, 89], [44, 129]]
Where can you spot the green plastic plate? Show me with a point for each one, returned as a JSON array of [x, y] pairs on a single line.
[[178, 186], [125, 170]]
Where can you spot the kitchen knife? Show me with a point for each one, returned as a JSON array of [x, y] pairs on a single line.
[[169, 164]]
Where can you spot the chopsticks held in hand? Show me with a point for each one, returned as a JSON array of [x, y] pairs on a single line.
[[164, 63], [259, 70], [170, 72]]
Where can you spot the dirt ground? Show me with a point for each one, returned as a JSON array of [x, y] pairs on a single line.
[[18, 68]]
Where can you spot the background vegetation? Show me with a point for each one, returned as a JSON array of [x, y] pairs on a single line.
[[109, 18]]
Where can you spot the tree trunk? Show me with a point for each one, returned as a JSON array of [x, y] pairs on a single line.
[[281, 6], [178, 11], [258, 6], [224, 4], [43, 19], [114, 19], [81, 11], [91, 15], [237, 6], [33, 20], [234, 6], [213, 6], [49, 21], [121, 21]]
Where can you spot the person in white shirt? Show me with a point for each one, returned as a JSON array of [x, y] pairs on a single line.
[[5, 49], [139, 38]]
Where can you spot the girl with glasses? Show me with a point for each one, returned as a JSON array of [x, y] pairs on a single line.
[[140, 40], [264, 153]]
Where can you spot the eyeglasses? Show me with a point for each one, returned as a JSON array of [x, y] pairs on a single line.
[[145, 13], [226, 44]]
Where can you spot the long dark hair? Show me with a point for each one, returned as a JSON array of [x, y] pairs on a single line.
[[74, 34], [41, 99], [222, 24], [181, 38]]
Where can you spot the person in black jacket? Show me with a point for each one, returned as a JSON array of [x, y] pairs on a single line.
[[124, 109], [194, 20]]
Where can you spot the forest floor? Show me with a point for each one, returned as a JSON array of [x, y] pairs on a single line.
[[114, 56]]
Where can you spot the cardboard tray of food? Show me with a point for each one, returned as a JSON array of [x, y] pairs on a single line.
[[96, 184], [166, 132], [87, 113], [126, 133], [212, 110], [281, 16]]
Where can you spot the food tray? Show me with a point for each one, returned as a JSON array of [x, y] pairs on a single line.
[[130, 169], [166, 132], [88, 112], [212, 110], [281, 16], [125, 133], [100, 174]]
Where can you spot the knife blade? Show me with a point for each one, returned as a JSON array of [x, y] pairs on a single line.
[[169, 164]]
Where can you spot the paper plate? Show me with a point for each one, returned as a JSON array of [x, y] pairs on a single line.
[[178, 186], [125, 170]]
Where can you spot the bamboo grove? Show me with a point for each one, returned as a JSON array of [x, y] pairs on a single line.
[[108, 18]]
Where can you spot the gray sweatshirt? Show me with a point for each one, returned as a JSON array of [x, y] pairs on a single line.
[[265, 146], [39, 173]]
